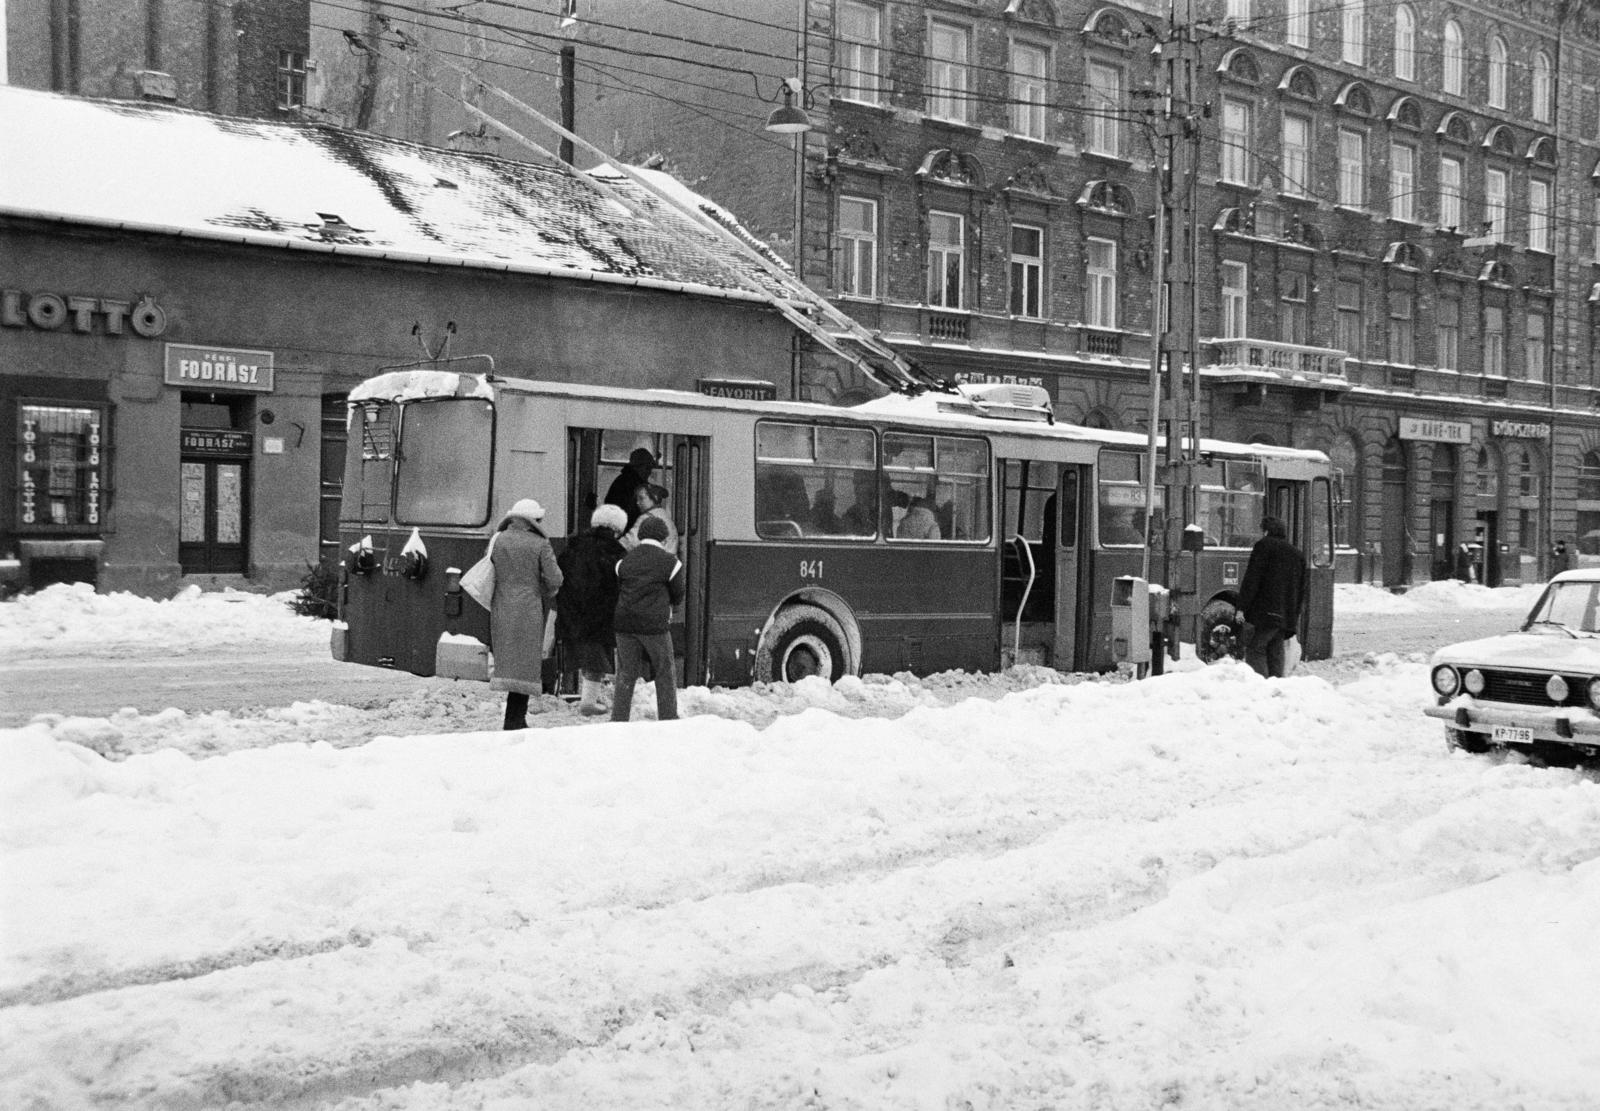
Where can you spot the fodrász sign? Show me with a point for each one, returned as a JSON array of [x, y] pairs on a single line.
[[218, 368]]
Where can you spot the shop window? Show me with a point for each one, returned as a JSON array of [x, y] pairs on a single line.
[[62, 471], [1588, 504]]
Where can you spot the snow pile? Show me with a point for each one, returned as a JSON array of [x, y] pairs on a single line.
[[72, 615], [1447, 594], [1207, 890]]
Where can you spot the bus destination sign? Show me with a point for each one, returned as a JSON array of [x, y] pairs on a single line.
[[741, 389]]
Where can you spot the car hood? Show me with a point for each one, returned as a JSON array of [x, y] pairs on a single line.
[[1553, 650]]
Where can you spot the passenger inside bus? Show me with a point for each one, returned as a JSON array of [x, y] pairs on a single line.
[[918, 522], [782, 507], [860, 518], [1117, 527]]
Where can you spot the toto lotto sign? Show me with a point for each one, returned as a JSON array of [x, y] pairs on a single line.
[[218, 368]]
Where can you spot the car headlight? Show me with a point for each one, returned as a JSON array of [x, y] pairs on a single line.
[[1447, 682], [1473, 681], [1557, 689], [1594, 692]]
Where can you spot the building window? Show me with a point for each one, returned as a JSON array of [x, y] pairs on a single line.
[[1293, 317], [947, 71], [1499, 72], [1534, 348], [1027, 271], [1354, 32], [1297, 23], [1029, 66], [1494, 204], [1494, 341], [1455, 60], [1449, 334], [1405, 44], [1236, 120], [1352, 168], [1402, 333], [1588, 504], [1542, 87], [857, 261], [61, 472], [1237, 10], [1235, 300], [1100, 284], [1296, 155], [1538, 215], [1449, 192], [1597, 229], [1105, 104], [1402, 182], [1347, 320], [291, 79], [946, 259], [860, 43]]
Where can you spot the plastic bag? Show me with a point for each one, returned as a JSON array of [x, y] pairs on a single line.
[[1291, 654], [478, 581]]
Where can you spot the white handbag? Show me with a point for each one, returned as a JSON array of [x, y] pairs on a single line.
[[478, 581]]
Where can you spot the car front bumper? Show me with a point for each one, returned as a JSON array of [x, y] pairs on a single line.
[[1566, 725]]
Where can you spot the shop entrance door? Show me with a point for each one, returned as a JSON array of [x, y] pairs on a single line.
[[213, 517]]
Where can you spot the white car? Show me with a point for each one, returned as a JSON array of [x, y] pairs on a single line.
[[1537, 687]]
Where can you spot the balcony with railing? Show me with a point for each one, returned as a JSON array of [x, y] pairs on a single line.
[[1262, 362]]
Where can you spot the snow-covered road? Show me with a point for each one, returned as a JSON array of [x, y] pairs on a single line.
[[1204, 891]]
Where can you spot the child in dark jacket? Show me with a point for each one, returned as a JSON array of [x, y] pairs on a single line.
[[650, 582]]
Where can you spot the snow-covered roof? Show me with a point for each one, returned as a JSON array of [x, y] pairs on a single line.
[[158, 168]]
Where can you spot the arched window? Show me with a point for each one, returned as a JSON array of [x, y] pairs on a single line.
[[1455, 60], [1588, 538], [1405, 43], [1542, 87], [1355, 99], [1405, 113], [1499, 72], [1500, 140], [1241, 66], [1543, 151]]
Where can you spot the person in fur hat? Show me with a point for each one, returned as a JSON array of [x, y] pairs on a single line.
[[587, 603], [526, 579]]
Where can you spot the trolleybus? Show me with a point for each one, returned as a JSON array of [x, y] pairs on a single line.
[[960, 530]]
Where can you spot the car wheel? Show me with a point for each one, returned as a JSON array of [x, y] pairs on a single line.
[[1467, 740], [1219, 626], [801, 641]]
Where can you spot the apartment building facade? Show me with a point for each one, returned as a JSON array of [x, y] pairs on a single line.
[[1396, 214]]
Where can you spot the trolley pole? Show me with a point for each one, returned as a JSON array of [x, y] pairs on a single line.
[[1177, 306]]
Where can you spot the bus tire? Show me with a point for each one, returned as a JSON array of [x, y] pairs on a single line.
[[802, 640], [1219, 628]]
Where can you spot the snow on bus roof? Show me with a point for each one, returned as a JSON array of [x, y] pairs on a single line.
[[162, 169], [412, 385]]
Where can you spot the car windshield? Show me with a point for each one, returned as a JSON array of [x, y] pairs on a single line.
[[1570, 605]]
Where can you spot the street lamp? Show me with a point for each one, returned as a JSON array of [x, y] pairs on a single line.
[[789, 118]]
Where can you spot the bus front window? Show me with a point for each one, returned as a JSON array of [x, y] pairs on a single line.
[[442, 476]]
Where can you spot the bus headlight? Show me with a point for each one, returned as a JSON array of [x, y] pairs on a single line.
[[1473, 681], [1445, 680]]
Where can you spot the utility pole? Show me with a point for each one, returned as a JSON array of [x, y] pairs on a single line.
[[1176, 292]]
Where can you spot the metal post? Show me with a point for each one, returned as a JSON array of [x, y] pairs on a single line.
[[569, 66]]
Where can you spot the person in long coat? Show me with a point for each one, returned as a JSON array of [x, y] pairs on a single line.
[[1270, 597], [587, 603], [624, 488], [526, 579]]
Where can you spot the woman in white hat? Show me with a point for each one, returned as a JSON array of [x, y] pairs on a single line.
[[526, 579]]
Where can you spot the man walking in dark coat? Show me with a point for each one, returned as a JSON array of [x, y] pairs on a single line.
[[650, 582], [1270, 597], [624, 488]]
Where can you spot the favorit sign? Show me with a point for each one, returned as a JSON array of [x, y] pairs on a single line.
[[218, 368]]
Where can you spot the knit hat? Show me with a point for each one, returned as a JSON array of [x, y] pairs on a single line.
[[652, 528], [528, 510], [611, 517], [642, 457]]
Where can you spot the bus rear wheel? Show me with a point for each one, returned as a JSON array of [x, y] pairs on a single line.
[[801, 641], [1219, 629]]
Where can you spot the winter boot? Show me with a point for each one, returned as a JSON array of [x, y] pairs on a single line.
[[593, 702]]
